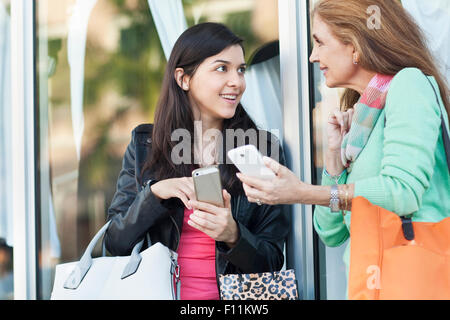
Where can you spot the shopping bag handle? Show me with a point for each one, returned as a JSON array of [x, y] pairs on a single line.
[[407, 226], [445, 136], [82, 267]]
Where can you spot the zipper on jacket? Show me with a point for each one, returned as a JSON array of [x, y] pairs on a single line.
[[175, 265], [217, 252], [178, 232], [217, 276]]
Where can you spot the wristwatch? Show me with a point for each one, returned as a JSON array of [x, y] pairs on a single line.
[[334, 199]]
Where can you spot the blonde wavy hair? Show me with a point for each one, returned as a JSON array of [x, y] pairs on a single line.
[[395, 44]]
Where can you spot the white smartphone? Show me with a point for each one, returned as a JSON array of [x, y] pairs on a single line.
[[250, 162], [208, 186]]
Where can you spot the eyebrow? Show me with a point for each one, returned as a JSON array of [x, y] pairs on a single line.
[[228, 62]]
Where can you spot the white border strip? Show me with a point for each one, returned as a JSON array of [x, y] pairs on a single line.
[[297, 139], [306, 140], [22, 84]]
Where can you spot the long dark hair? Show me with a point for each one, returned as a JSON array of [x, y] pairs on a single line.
[[174, 110]]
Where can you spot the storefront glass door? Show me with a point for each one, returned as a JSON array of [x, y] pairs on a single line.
[[100, 65]]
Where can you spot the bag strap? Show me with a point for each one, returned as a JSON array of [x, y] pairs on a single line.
[[82, 267], [407, 226], [445, 136]]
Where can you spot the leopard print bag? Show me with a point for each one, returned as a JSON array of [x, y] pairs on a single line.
[[279, 285]]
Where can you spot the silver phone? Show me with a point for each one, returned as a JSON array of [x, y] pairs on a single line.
[[208, 186]]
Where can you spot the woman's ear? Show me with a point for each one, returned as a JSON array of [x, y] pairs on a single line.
[[356, 58], [182, 79]]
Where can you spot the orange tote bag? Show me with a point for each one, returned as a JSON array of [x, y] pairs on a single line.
[[385, 265]]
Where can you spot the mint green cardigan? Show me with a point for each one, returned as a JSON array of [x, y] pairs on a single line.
[[403, 166]]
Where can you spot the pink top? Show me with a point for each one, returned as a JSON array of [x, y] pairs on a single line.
[[196, 258]]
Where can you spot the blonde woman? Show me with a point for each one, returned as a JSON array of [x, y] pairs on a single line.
[[386, 144]]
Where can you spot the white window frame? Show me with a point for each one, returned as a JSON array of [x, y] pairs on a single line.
[[23, 153], [294, 67]]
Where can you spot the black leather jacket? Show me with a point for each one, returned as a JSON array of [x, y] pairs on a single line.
[[134, 211]]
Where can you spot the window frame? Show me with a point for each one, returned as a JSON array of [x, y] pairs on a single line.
[[24, 151], [295, 73]]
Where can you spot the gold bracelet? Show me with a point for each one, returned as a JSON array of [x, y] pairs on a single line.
[[345, 202], [341, 197], [346, 199], [341, 202]]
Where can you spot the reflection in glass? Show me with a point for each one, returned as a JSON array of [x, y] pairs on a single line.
[[257, 23], [170, 22], [112, 89], [117, 89]]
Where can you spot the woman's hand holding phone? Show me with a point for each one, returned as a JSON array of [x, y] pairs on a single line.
[[285, 188], [181, 188], [216, 222]]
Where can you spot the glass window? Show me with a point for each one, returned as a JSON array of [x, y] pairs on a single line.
[[6, 219], [256, 21], [99, 70], [331, 269], [100, 67]]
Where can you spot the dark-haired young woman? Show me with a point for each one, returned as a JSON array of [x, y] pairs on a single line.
[[201, 92]]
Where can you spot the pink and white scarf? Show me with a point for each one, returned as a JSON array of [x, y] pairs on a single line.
[[366, 113]]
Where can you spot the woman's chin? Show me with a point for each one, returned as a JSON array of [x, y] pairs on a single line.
[[331, 84], [228, 114]]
